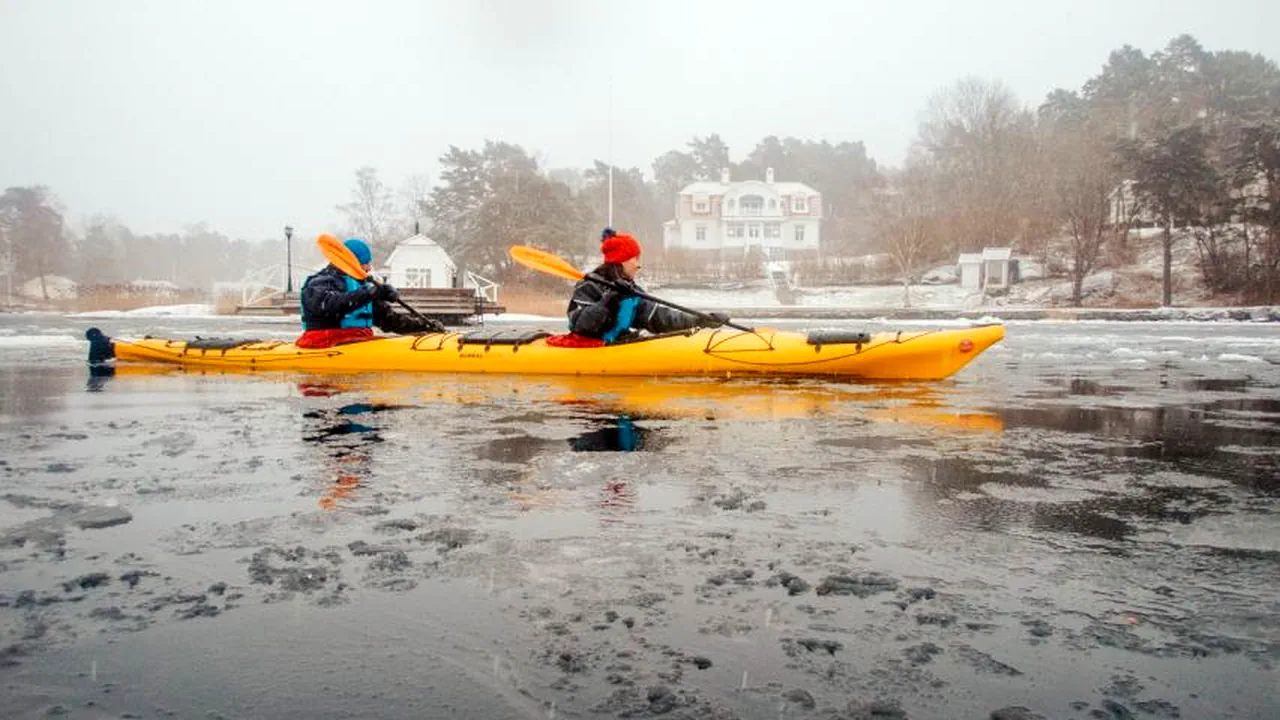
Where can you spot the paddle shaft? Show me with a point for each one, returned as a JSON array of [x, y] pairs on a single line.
[[370, 277], [641, 294]]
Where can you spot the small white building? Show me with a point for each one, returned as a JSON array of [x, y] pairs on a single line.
[[997, 267], [991, 269], [419, 262], [970, 268]]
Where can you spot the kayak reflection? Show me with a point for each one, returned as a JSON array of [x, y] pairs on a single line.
[[928, 405], [99, 375]]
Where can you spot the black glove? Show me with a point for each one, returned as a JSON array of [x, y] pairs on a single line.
[[417, 325], [361, 295], [386, 293], [713, 320]]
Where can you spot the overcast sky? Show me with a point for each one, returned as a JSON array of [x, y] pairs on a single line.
[[253, 114]]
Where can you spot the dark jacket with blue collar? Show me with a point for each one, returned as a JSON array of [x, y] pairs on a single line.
[[331, 299], [594, 312]]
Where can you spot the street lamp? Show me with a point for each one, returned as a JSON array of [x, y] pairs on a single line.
[[288, 254]]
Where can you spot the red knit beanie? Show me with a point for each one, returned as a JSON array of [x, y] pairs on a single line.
[[619, 248]]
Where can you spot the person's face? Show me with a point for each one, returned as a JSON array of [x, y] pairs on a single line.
[[631, 267]]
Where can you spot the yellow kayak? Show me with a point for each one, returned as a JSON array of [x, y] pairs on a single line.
[[899, 355]]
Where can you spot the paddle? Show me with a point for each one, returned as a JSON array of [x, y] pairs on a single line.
[[545, 262], [345, 260]]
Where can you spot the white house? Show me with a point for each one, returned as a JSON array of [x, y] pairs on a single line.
[[777, 217], [418, 262], [1125, 207]]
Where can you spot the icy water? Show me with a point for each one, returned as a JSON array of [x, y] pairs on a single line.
[[1083, 524]]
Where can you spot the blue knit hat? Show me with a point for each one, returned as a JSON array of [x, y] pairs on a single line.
[[360, 249]]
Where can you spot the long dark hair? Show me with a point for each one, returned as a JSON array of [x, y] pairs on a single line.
[[612, 271]]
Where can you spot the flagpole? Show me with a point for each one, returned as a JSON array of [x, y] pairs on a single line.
[[610, 148]]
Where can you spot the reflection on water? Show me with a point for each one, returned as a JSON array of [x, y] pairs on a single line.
[[997, 500], [1109, 495], [619, 434], [1194, 438], [99, 375], [1215, 384], [346, 434], [1112, 472], [26, 394], [1086, 387]]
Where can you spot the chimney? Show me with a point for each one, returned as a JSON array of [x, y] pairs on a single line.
[[768, 175], [724, 175]]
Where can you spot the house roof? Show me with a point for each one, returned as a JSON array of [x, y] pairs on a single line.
[[991, 253], [709, 187], [418, 241], [969, 258]]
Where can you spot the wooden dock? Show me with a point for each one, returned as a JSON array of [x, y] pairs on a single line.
[[448, 305]]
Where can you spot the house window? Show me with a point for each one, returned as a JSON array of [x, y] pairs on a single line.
[[753, 231], [773, 204], [735, 230], [751, 204], [799, 204], [417, 277], [799, 234], [773, 231], [700, 233], [700, 205], [730, 204]]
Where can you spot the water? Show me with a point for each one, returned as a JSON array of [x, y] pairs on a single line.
[[1083, 522]]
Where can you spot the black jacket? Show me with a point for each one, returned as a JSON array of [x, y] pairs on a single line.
[[326, 300], [593, 310]]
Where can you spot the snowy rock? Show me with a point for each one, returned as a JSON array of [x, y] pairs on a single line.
[[941, 275], [1097, 285], [1029, 269]]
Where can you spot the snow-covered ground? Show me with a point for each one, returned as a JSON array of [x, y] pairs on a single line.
[[153, 311], [924, 296]]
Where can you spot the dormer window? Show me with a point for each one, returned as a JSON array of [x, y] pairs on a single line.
[[773, 204], [731, 204], [701, 205], [799, 204]]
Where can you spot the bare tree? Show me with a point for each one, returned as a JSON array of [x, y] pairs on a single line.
[[371, 212], [904, 216], [36, 245], [1083, 178], [414, 196], [983, 146]]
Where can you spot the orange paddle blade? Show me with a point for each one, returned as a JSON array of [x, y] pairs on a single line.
[[543, 261], [341, 256]]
